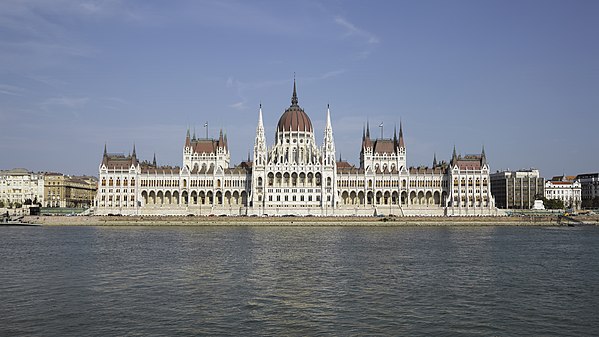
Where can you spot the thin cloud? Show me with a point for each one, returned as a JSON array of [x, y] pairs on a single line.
[[352, 30], [238, 106], [66, 102], [11, 90]]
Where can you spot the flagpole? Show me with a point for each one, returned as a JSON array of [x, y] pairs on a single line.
[[206, 126], [381, 126]]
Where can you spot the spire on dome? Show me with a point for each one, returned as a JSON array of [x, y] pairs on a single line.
[[294, 97]]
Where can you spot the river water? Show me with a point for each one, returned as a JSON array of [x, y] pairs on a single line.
[[299, 281]]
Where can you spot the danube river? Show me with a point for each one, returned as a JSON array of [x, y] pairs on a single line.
[[300, 281]]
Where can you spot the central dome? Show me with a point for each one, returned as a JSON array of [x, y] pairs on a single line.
[[294, 118]]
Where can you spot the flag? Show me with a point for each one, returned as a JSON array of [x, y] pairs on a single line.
[[206, 125], [380, 126]]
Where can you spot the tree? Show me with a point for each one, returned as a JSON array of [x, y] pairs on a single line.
[[595, 202], [27, 201], [553, 203]]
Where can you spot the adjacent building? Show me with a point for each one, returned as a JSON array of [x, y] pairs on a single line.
[[517, 189], [18, 186], [566, 189], [295, 176], [589, 184], [69, 191]]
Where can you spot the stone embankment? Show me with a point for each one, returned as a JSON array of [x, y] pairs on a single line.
[[303, 221]]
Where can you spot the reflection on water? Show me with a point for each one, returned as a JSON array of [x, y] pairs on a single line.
[[58, 281]]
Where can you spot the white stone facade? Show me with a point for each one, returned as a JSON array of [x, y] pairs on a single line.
[[18, 185], [567, 191], [295, 176]]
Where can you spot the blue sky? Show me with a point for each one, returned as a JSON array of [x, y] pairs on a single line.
[[519, 77]]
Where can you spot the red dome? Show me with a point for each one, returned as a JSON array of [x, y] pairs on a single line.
[[294, 118]]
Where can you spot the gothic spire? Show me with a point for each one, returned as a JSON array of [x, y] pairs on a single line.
[[260, 124], [294, 97], [483, 156], [105, 153], [187, 139], [133, 154], [434, 160], [154, 161], [454, 156], [367, 129], [401, 142]]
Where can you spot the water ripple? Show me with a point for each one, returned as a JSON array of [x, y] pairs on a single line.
[[60, 281]]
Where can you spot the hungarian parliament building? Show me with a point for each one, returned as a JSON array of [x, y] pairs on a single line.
[[295, 176]]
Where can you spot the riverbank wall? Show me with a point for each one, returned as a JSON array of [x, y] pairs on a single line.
[[305, 221]]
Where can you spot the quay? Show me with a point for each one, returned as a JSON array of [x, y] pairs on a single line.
[[304, 221]]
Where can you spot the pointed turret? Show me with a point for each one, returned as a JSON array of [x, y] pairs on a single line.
[[260, 141], [367, 129], [483, 157], [221, 140], [187, 139], [454, 156], [401, 142], [260, 123], [154, 161], [105, 156], [434, 160], [226, 142]]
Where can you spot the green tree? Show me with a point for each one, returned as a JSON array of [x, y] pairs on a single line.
[[552, 203], [1, 204]]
